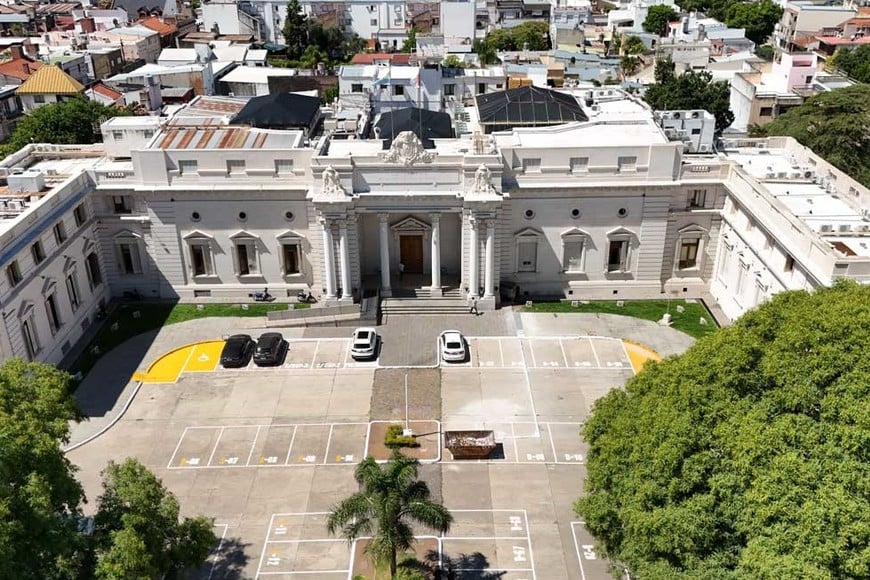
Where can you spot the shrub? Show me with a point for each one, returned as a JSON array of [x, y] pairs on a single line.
[[394, 438]]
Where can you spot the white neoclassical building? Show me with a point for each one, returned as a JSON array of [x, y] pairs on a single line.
[[592, 200]]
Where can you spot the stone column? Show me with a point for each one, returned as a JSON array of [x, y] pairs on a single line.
[[489, 274], [344, 256], [473, 259], [328, 258], [436, 254], [384, 235]]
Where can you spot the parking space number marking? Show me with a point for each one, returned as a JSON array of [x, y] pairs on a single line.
[[589, 552]]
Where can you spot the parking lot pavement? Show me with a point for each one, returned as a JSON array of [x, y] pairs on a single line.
[[579, 353], [297, 545]]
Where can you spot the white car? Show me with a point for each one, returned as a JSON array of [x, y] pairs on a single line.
[[452, 345], [364, 343]]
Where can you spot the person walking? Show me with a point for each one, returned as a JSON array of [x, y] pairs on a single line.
[[473, 309], [401, 270]]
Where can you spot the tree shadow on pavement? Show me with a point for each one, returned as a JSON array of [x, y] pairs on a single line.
[[227, 562], [440, 566]]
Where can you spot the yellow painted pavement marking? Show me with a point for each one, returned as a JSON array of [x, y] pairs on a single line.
[[205, 356], [639, 355]]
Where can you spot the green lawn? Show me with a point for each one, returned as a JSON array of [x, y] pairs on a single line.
[[153, 316], [687, 321]]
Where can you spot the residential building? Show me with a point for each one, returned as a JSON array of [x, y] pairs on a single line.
[[47, 85], [104, 94], [167, 30], [252, 81], [10, 110], [225, 17], [767, 90], [19, 67], [802, 17]]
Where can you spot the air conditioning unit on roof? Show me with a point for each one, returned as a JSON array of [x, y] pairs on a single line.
[[826, 228]]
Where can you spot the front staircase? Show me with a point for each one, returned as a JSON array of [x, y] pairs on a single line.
[[419, 301]]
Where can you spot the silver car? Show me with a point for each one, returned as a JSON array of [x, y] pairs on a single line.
[[452, 345], [364, 343]]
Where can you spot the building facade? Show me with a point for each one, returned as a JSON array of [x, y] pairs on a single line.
[[609, 208]]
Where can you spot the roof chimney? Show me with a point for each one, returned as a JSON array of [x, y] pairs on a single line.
[[17, 51]]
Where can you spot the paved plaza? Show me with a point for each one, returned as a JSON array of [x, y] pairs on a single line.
[[267, 452]]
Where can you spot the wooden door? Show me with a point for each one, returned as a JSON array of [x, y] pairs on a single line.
[[411, 253]]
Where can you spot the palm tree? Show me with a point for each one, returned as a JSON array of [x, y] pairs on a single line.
[[390, 499]]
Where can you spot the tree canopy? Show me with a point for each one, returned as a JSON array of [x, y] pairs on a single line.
[[855, 62], [295, 30], [309, 42], [657, 19], [75, 121], [137, 530], [692, 90], [533, 35], [390, 499], [137, 533], [757, 17], [39, 495], [746, 457], [834, 125]]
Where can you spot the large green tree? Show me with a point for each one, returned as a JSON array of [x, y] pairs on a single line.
[[855, 62], [486, 52], [834, 125], [746, 457], [137, 530], [390, 499], [757, 17], [692, 90], [75, 121], [533, 34], [39, 495], [410, 42], [657, 19], [295, 30]]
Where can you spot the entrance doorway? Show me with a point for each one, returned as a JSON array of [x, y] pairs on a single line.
[[411, 253]]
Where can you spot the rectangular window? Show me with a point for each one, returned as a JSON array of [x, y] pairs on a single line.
[[121, 204], [148, 134], [765, 112], [246, 255], [118, 135], [449, 89], [373, 22], [28, 334], [39, 98], [579, 164], [13, 273], [52, 313], [617, 255], [38, 252], [188, 166], [92, 268], [80, 215], [627, 163], [481, 88], [527, 257], [356, 88], [741, 278], [689, 254], [398, 90], [200, 259], [129, 261], [696, 131], [697, 198], [235, 166], [292, 260], [572, 260], [59, 233], [532, 165], [789, 264], [72, 289], [283, 166]]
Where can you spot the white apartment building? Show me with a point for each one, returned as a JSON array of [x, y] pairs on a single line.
[[605, 206]]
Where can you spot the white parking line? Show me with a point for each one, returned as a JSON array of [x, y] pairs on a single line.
[[564, 356], [314, 358], [290, 447], [500, 352], [217, 550], [253, 444], [594, 352], [328, 443], [216, 443]]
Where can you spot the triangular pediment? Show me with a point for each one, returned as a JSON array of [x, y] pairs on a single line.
[[290, 236], [244, 235], [410, 224], [574, 232], [48, 286], [68, 265], [528, 233], [693, 229], [88, 246], [621, 231], [127, 234], [25, 309], [198, 235]]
